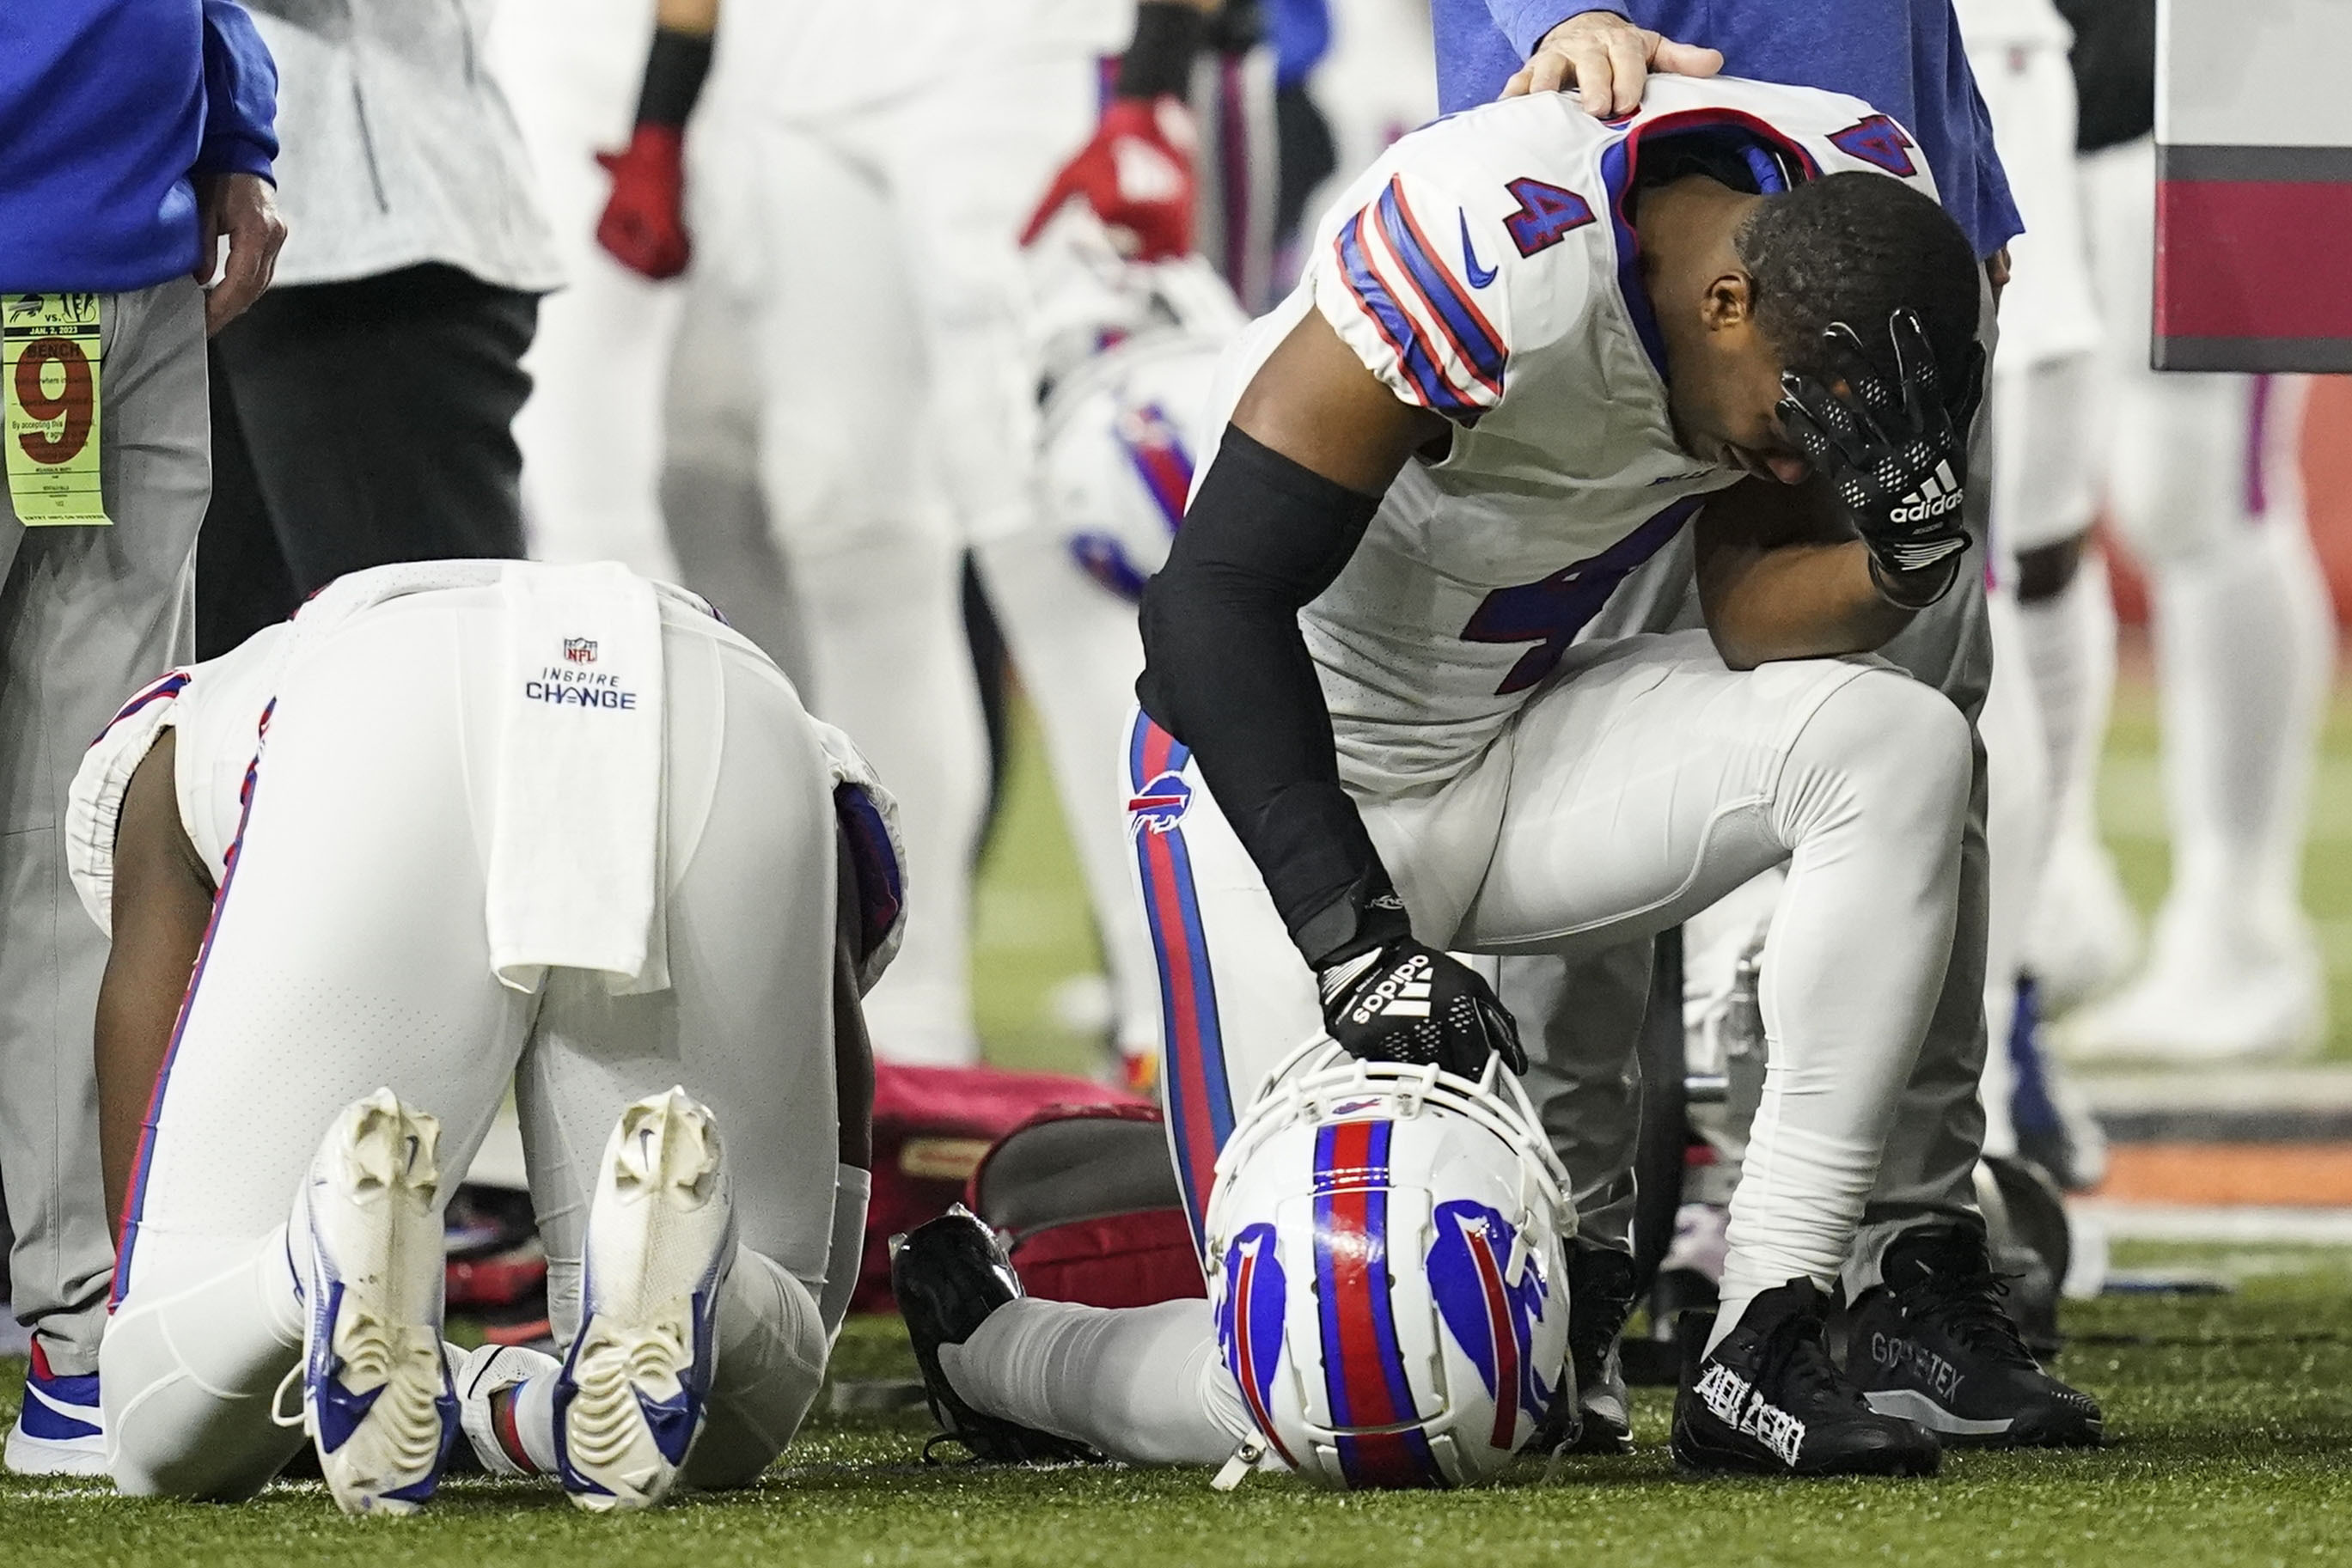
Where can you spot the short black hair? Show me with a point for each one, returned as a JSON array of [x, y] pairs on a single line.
[[1855, 247]]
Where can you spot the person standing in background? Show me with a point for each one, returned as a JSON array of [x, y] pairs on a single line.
[[2204, 484], [137, 134], [364, 412]]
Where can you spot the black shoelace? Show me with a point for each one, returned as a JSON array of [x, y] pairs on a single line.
[[1966, 1303], [1796, 1364]]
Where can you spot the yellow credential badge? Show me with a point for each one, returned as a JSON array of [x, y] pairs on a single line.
[[48, 407]]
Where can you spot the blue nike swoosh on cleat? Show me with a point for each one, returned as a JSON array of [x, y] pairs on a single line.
[[1479, 276], [672, 1422], [341, 1411]]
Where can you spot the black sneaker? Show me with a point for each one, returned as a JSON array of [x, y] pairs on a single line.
[[1934, 1344], [1599, 1300], [1769, 1402], [948, 1276], [1599, 1419]]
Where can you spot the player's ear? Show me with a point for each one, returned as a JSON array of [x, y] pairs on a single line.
[[1729, 302]]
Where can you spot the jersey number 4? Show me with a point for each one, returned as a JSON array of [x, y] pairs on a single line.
[[1547, 215], [1551, 612]]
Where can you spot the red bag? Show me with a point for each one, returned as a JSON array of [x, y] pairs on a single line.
[[932, 1125], [1088, 1194]]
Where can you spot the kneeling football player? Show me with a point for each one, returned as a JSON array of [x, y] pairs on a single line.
[[460, 827], [1533, 347]]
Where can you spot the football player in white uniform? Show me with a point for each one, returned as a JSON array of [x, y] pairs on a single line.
[[463, 827], [1531, 349], [2204, 481]]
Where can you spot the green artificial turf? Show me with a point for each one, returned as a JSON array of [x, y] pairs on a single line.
[[2232, 1417]]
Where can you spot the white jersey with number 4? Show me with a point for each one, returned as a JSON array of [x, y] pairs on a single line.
[[1486, 268]]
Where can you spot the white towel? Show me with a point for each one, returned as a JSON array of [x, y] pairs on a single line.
[[575, 876]]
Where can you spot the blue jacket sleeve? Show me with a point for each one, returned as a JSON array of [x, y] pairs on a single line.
[[1525, 22], [240, 95]]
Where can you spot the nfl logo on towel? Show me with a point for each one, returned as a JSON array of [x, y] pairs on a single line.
[[579, 650]]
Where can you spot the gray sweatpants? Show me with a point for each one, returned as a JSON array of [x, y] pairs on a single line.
[[1581, 1022], [85, 615]]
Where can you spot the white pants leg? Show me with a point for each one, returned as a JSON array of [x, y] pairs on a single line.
[[2017, 837], [1143, 1384], [870, 547], [591, 433], [1079, 651], [343, 956]]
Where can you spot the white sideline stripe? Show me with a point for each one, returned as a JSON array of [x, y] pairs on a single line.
[[2188, 1222]]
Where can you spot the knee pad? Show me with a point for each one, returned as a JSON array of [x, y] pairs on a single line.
[[1904, 750]]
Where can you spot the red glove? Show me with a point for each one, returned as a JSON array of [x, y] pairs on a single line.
[[644, 224], [1137, 174]]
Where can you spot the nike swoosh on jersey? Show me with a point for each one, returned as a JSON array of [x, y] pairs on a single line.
[[1479, 276]]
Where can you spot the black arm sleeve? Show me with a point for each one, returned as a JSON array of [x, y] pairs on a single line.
[[675, 68], [1226, 672], [1168, 35]]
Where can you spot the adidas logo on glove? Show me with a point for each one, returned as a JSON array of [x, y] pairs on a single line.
[[1402, 993], [1938, 495]]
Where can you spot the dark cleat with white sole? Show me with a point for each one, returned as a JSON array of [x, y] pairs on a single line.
[[1934, 1344], [1768, 1401], [948, 1275]]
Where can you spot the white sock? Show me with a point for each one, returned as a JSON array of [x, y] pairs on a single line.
[[1134, 1382], [2246, 644], [2070, 653], [853, 1194], [188, 1379], [771, 1353], [532, 1405]]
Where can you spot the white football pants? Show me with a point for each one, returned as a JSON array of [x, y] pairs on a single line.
[[347, 950]]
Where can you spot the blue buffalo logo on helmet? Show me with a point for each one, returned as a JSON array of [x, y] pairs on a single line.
[[1249, 1324], [1492, 1317], [1161, 804]]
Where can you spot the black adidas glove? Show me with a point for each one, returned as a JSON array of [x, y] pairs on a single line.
[[1403, 1001], [1894, 451]]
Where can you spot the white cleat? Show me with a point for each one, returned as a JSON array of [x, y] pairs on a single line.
[[2084, 935], [2208, 1000], [367, 1245], [661, 1237]]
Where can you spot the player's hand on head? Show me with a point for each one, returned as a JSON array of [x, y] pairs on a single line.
[[1606, 61], [1893, 448], [1137, 174], [1406, 1001], [643, 222]]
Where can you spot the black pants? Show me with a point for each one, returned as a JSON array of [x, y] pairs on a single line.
[[355, 424]]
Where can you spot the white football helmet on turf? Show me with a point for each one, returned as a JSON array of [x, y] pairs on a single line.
[[1386, 1257], [1130, 352]]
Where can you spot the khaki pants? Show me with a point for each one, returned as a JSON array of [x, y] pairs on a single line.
[[85, 615]]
